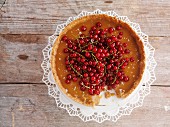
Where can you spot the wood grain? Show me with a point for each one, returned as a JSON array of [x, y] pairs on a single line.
[[25, 26], [41, 17], [29, 106]]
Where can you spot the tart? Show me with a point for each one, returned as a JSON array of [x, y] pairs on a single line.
[[94, 54]]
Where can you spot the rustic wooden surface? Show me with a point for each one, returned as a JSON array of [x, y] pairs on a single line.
[[24, 29]]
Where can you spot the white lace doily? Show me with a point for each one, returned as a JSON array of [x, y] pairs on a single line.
[[115, 107]]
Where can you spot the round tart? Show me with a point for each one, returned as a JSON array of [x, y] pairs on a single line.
[[94, 54]]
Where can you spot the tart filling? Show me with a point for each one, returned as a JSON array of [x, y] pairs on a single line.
[[95, 54]]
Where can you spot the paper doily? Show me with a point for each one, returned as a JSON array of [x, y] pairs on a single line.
[[115, 107]]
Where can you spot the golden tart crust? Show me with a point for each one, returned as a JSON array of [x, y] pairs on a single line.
[[94, 100]]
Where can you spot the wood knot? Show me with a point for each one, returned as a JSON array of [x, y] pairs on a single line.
[[23, 57], [108, 1]]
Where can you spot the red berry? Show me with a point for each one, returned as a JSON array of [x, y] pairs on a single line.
[[127, 59], [83, 60], [87, 54], [74, 47], [119, 74], [100, 58], [126, 78], [109, 66], [121, 77], [100, 50], [109, 40], [69, 76], [72, 61], [117, 81], [91, 87], [97, 87], [109, 87], [64, 38], [82, 88], [115, 68], [97, 55], [98, 24], [66, 50], [90, 62], [118, 28], [94, 63], [91, 74], [82, 35], [102, 55], [91, 91], [97, 92], [67, 81], [117, 43], [112, 45], [102, 69], [69, 68], [70, 45], [119, 37], [101, 73], [127, 51], [74, 55], [66, 62], [75, 79], [90, 47], [111, 29], [97, 81], [84, 67], [132, 59], [89, 69], [125, 64], [94, 49], [101, 64], [120, 33], [95, 36], [120, 48], [107, 54], [81, 41], [86, 63], [114, 85], [125, 44], [113, 37], [85, 75], [78, 68], [111, 61], [93, 28], [93, 78], [83, 28], [97, 31]]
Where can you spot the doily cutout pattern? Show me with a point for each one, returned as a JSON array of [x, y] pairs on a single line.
[[116, 109]]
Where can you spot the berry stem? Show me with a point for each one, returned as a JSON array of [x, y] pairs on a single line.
[[75, 52], [114, 80], [89, 44], [105, 71], [94, 57], [85, 86], [74, 69], [121, 64]]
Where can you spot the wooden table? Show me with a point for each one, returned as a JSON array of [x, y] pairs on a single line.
[[24, 29]]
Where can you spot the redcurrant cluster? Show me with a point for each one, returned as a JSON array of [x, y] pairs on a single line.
[[97, 59]]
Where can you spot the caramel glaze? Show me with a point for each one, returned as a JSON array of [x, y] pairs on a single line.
[[132, 70]]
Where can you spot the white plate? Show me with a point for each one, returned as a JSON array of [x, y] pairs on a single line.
[[113, 107]]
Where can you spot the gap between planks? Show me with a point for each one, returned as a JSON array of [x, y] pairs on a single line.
[[27, 83], [58, 35]]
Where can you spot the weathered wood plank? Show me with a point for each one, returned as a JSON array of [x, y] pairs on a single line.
[[29, 105], [21, 57], [41, 17]]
